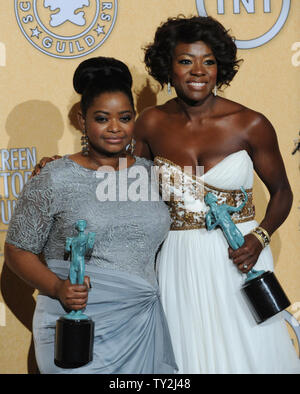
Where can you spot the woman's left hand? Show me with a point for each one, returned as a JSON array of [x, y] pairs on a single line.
[[247, 255]]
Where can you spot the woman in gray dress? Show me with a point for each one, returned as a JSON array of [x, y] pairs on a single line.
[[111, 190]]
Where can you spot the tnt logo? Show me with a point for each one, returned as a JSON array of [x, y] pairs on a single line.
[[273, 12], [66, 28]]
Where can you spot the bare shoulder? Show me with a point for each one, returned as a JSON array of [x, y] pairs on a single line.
[[150, 119], [253, 123], [234, 111], [154, 114], [259, 133], [258, 127], [149, 115]]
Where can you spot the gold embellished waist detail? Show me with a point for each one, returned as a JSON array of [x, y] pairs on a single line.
[[184, 193], [184, 218]]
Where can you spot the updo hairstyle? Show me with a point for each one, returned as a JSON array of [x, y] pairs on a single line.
[[101, 75], [159, 54]]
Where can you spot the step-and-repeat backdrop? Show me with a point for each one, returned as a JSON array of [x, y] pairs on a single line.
[[42, 42]]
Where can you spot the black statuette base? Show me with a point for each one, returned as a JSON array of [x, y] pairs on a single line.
[[73, 342], [265, 296]]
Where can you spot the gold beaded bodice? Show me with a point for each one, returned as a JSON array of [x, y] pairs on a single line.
[[184, 193]]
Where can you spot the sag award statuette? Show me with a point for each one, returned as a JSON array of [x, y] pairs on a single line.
[[75, 331], [262, 291]]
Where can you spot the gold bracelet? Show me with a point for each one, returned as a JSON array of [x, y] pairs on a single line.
[[265, 233], [259, 238], [262, 235]]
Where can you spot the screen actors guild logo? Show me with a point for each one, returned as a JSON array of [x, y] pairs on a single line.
[[235, 6], [66, 11], [66, 28]]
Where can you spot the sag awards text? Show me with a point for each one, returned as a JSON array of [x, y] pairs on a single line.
[[16, 165]]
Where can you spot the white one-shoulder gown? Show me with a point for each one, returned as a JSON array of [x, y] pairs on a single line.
[[211, 326]]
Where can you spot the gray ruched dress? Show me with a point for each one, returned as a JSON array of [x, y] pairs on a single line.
[[131, 333]]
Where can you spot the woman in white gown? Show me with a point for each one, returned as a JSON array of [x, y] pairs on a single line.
[[211, 326], [200, 277]]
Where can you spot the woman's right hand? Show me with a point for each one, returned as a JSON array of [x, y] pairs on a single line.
[[73, 297], [42, 164]]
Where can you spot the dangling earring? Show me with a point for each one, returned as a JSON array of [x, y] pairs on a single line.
[[84, 144], [169, 88], [215, 90], [130, 147]]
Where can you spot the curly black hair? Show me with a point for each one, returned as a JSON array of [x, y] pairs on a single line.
[[159, 54]]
